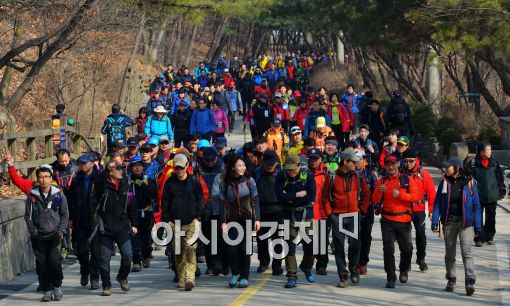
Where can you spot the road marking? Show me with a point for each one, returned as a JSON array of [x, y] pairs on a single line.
[[503, 272], [249, 292]]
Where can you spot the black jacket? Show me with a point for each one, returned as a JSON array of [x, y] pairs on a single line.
[[181, 121], [182, 200], [266, 186], [82, 200], [286, 189], [117, 207], [46, 215], [262, 116], [489, 180], [144, 194]]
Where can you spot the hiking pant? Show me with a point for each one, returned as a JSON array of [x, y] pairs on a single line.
[[181, 138], [238, 259], [339, 239], [323, 259], [451, 231], [206, 136], [185, 254], [89, 254], [231, 120], [489, 226], [142, 241], [47, 253], [263, 253], [339, 135], [401, 232], [123, 241], [421, 239], [219, 260], [308, 258], [365, 236]]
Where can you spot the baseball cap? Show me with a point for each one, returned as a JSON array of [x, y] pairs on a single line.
[[454, 161], [180, 160], [360, 152], [364, 126], [135, 160], [270, 157], [164, 138], [403, 140], [145, 148], [331, 140], [119, 143], [278, 95], [263, 95], [292, 162], [321, 122], [203, 143], [47, 166], [295, 130], [220, 142], [313, 152], [87, 157], [183, 103], [390, 159], [350, 155], [210, 153], [276, 122], [132, 142], [409, 153]]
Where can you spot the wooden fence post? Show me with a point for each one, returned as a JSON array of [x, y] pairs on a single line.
[[77, 139], [11, 143], [31, 151], [48, 140]]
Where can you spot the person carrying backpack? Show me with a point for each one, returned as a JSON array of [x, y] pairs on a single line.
[[114, 127], [347, 192], [394, 194], [159, 125], [242, 207], [398, 115]]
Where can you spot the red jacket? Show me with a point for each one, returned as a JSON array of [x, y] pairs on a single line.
[[300, 117], [290, 72], [426, 188], [22, 183], [386, 151], [319, 207], [345, 193], [400, 205], [258, 90], [344, 115], [280, 113]]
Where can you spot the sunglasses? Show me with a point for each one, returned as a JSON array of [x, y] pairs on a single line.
[[179, 168], [409, 161], [164, 143]]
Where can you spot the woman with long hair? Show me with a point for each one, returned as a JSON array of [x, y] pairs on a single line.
[[457, 206], [242, 207]]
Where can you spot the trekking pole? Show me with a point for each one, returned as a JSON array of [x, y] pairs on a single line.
[[244, 132]]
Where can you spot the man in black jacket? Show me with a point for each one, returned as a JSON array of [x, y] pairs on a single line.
[[270, 209], [489, 178], [181, 121], [182, 208], [82, 205], [262, 115], [117, 218], [47, 215]]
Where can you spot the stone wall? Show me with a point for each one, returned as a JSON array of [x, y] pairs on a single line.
[[16, 255]]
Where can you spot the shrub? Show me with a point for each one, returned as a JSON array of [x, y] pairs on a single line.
[[490, 134], [424, 120], [447, 137]]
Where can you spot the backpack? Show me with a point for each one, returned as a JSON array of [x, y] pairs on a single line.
[[399, 112], [251, 207], [331, 186], [116, 128]]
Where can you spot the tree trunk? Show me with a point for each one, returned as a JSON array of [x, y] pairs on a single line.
[[217, 39], [179, 41], [157, 38], [484, 91], [248, 42], [217, 52], [191, 45], [127, 71], [53, 47], [19, 29]]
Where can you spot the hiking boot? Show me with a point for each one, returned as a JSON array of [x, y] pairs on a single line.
[[106, 292], [490, 242], [344, 276], [58, 294], [233, 281], [201, 259], [451, 284], [277, 271], [243, 283], [136, 268], [291, 283], [146, 263], [362, 269], [355, 276], [189, 285], [478, 244], [46, 296], [390, 284], [470, 287], [321, 271], [423, 265], [262, 268], [403, 277], [310, 277], [124, 285], [94, 284], [84, 280]]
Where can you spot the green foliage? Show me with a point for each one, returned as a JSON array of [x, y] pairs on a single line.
[[447, 137], [442, 125], [491, 135], [424, 119]]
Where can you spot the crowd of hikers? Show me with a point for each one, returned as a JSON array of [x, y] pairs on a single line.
[[314, 155]]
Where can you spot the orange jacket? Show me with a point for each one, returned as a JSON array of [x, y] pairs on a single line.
[[345, 193], [276, 140], [321, 136], [400, 205], [426, 188], [319, 207]]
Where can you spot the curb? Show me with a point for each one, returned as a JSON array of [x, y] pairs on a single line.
[[504, 205]]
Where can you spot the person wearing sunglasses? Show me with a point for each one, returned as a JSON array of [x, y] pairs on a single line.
[[425, 184]]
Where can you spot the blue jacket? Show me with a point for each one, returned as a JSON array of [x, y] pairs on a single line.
[[257, 78], [347, 97], [203, 81], [272, 77], [152, 169], [202, 122], [233, 100], [197, 72], [153, 103], [470, 206], [159, 127], [175, 106]]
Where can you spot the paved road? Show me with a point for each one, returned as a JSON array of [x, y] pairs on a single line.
[[154, 285]]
